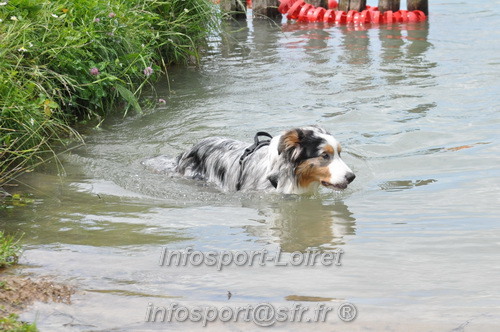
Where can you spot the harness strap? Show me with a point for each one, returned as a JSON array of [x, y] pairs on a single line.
[[251, 149]]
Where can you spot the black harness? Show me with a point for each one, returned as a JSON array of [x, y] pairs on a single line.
[[251, 149]]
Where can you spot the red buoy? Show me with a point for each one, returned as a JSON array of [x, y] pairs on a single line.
[[304, 12]]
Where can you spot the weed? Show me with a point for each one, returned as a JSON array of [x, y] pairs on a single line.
[[63, 62]]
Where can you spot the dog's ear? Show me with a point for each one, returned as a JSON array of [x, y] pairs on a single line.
[[289, 143]]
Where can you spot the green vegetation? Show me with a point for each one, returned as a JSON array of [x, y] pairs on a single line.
[[11, 324], [10, 250], [16, 200], [68, 62]]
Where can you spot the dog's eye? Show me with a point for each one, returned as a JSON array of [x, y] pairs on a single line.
[[325, 156]]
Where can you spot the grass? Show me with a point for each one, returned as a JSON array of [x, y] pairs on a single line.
[[68, 62], [11, 324], [10, 250]]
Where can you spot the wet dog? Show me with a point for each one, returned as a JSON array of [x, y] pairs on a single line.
[[296, 162]]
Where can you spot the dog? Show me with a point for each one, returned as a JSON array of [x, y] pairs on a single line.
[[295, 162]]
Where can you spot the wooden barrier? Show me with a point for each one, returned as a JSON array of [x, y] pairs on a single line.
[[422, 5], [385, 5], [265, 8], [347, 5], [318, 3], [236, 8]]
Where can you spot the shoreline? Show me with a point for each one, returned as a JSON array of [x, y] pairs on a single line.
[[68, 64]]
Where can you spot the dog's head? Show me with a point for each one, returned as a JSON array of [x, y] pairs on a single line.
[[315, 156]]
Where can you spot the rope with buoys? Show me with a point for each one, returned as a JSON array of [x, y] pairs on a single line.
[[304, 12]]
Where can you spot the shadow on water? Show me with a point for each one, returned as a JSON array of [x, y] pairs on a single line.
[[304, 223]]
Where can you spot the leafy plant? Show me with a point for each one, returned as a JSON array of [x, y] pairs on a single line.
[[11, 324], [64, 62], [10, 250]]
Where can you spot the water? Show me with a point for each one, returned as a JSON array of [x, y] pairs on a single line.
[[416, 110]]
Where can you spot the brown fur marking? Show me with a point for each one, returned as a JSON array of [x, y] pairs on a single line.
[[329, 149], [289, 140], [310, 171]]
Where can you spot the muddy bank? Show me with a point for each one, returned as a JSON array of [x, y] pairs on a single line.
[[18, 292]]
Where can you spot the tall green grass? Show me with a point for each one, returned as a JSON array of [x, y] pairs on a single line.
[[10, 323], [63, 62], [10, 250]]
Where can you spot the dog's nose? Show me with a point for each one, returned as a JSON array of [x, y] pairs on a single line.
[[350, 177]]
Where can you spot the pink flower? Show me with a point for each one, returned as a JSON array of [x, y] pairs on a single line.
[[148, 71], [97, 20], [94, 71], [162, 101], [111, 15]]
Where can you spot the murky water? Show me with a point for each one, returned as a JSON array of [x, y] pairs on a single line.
[[416, 110]]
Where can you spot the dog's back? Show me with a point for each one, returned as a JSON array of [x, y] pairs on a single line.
[[217, 159]]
